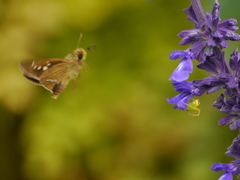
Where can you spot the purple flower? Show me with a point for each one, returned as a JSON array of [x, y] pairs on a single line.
[[187, 91], [226, 76], [228, 168], [209, 84], [235, 63], [234, 149], [215, 64], [228, 105], [234, 166], [185, 66], [209, 35], [232, 107]]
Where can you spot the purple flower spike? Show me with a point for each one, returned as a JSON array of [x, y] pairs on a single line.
[[207, 40]]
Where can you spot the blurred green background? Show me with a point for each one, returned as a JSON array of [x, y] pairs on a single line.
[[113, 123]]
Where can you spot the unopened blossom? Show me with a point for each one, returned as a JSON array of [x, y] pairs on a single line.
[[208, 36]]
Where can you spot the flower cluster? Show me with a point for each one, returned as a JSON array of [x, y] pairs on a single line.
[[207, 40]]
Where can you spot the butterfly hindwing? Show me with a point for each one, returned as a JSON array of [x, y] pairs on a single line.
[[55, 79]]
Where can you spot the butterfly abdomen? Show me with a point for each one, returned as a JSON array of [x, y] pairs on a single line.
[[57, 90]]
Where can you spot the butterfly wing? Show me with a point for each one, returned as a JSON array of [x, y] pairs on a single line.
[[31, 71], [52, 74]]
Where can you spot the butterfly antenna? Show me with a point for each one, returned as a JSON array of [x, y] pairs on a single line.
[[79, 40]]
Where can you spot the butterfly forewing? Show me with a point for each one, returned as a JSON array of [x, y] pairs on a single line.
[[36, 68], [30, 71], [48, 73]]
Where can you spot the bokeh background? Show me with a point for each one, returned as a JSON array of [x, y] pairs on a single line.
[[113, 123]]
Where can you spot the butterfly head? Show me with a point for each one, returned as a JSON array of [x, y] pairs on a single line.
[[79, 54]]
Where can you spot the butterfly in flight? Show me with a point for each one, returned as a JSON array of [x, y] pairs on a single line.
[[54, 74]]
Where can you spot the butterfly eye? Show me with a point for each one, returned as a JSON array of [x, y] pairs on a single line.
[[80, 56]]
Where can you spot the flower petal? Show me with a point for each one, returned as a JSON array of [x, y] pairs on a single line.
[[178, 54], [227, 120], [221, 167], [181, 73], [226, 176]]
